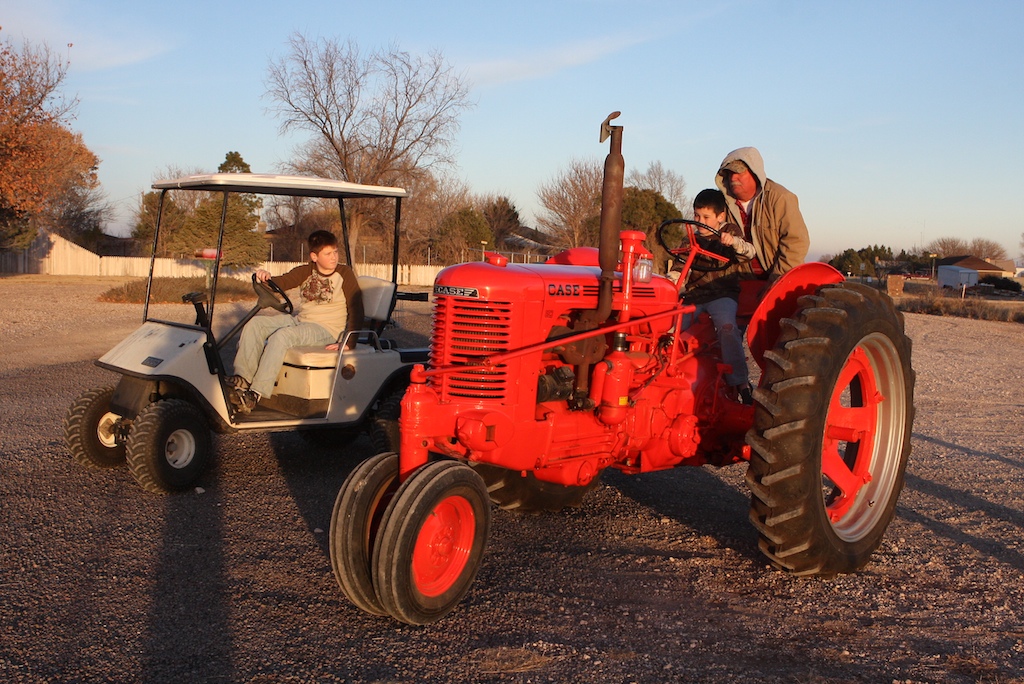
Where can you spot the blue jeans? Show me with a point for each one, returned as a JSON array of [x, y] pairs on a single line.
[[723, 314], [263, 344]]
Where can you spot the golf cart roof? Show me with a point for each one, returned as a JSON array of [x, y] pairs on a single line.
[[271, 184]]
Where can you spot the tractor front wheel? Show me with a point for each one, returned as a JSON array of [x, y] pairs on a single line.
[[355, 521], [169, 446], [431, 542], [832, 431], [90, 431]]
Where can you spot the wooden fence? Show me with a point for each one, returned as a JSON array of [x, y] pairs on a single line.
[[54, 255]]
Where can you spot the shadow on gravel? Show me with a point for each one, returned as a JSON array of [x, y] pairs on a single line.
[[189, 632], [960, 499], [968, 451], [314, 468], [696, 498]]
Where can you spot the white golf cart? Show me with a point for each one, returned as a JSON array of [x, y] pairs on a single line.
[[172, 389]]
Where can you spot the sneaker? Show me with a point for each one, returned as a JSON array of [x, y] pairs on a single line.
[[244, 400], [236, 381], [747, 395]]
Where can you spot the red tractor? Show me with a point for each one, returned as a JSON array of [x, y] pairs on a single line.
[[541, 376]]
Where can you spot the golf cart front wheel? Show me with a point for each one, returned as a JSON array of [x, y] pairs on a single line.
[[169, 446]]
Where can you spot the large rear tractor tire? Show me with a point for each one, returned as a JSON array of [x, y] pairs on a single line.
[[90, 431], [511, 490], [431, 542], [169, 446], [832, 429], [356, 519]]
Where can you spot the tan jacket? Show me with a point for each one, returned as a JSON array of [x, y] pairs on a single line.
[[777, 228]]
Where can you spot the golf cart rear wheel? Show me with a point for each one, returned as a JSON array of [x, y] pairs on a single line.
[[384, 433], [90, 431], [431, 542], [831, 432], [169, 446]]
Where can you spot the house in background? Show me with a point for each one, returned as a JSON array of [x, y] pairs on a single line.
[[1009, 268], [973, 263]]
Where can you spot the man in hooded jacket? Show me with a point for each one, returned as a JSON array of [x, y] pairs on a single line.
[[768, 213]]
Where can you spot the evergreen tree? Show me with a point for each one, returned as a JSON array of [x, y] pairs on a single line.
[[242, 247], [462, 230], [645, 210]]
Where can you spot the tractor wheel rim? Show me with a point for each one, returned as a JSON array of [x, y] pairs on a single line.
[[105, 430], [864, 430], [443, 546], [180, 448]]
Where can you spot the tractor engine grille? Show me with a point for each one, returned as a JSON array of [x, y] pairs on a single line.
[[464, 331]]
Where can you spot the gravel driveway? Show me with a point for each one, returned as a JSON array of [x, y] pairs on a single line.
[[657, 578]]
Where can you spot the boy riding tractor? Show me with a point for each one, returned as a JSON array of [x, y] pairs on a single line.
[[174, 385], [543, 375]]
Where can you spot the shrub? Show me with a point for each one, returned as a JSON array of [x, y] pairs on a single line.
[[170, 290], [936, 304], [1002, 283]]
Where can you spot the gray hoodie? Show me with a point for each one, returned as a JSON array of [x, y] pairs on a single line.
[[777, 228]]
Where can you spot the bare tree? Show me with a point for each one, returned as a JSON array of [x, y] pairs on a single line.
[[571, 204], [986, 249], [382, 118], [434, 197], [374, 118], [948, 246], [669, 183]]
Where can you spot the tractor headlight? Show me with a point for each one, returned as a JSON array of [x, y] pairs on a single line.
[[642, 271]]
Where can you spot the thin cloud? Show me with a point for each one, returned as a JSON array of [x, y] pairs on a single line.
[[69, 28], [545, 63], [98, 52]]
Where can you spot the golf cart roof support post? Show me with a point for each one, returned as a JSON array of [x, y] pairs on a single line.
[[152, 257], [216, 263], [344, 231], [394, 243]]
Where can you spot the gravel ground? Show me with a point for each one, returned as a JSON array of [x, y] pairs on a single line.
[[656, 578]]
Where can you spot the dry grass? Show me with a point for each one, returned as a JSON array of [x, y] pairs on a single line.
[[505, 659], [981, 309], [170, 290], [927, 298]]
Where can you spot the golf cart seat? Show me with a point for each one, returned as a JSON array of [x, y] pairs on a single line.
[[308, 372], [378, 301]]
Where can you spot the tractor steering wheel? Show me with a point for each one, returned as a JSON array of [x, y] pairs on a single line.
[[679, 238], [270, 294]]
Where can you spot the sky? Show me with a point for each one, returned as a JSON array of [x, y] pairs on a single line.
[[895, 123]]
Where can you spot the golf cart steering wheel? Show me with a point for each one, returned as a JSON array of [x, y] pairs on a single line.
[[679, 238], [270, 294]]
